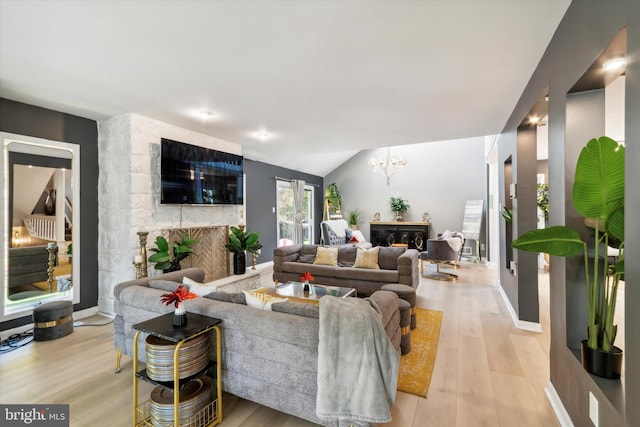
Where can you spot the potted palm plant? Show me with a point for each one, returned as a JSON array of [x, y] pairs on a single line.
[[353, 218], [240, 242], [399, 206], [598, 195], [167, 260]]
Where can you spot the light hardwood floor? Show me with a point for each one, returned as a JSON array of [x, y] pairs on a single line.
[[487, 372]]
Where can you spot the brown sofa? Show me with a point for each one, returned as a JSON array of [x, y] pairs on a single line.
[[397, 265]]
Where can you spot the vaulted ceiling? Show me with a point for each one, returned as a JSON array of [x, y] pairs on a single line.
[[325, 79]]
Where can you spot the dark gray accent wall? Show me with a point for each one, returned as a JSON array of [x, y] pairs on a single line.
[[584, 33], [521, 286], [29, 120], [632, 205], [261, 199], [526, 218]]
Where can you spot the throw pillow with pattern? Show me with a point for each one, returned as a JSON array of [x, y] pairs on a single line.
[[367, 258], [327, 256]]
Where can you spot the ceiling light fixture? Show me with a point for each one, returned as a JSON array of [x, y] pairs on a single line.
[[534, 119], [389, 166], [262, 135], [205, 115], [614, 64]]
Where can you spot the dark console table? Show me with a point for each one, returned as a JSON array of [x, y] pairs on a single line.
[[412, 234]]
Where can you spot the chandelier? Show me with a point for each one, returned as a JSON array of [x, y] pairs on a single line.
[[388, 166]]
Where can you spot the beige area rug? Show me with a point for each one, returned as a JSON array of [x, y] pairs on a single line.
[[416, 367]]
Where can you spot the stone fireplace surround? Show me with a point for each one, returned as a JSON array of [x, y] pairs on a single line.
[[128, 198]]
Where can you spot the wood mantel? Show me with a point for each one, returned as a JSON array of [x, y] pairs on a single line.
[[419, 223]]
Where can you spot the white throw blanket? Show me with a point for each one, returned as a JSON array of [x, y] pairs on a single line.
[[357, 364], [453, 239], [338, 226]]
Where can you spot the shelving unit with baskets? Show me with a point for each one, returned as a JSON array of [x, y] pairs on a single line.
[[178, 359]]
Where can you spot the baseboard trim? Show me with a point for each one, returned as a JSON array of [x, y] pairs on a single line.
[[558, 407], [520, 324], [77, 315]]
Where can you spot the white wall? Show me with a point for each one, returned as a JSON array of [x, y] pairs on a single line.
[[439, 178], [129, 195], [614, 109]]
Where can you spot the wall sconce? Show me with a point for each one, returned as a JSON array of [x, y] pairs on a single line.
[[389, 166]]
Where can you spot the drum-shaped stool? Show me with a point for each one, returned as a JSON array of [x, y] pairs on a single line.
[[52, 320], [405, 330], [407, 293]]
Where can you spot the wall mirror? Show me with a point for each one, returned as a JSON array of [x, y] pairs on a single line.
[[40, 223]]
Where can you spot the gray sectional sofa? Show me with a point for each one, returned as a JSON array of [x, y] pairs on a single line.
[[268, 357], [397, 265]]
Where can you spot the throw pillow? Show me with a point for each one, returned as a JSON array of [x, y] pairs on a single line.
[[346, 256], [358, 235], [258, 299], [367, 258], [234, 297], [327, 256], [348, 234], [307, 254], [388, 257], [200, 289], [164, 285]]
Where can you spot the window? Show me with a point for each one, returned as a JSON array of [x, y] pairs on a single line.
[[285, 213]]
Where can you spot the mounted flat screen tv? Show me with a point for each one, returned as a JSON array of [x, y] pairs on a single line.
[[193, 175]]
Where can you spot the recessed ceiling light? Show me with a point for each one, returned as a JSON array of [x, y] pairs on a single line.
[[614, 64], [534, 119], [262, 135], [205, 115]]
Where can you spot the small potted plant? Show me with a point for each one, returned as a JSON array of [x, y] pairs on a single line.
[[176, 298], [353, 218], [240, 242], [399, 206], [170, 261], [598, 195]]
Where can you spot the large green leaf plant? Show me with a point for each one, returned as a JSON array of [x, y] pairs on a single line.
[[598, 195], [170, 260], [241, 240]]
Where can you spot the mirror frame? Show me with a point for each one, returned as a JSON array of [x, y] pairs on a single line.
[[42, 147]]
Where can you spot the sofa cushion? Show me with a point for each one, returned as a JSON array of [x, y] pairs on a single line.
[[301, 268], [347, 256], [388, 257], [352, 273], [327, 256], [165, 285], [297, 308], [308, 254], [234, 297], [367, 258], [258, 299]]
